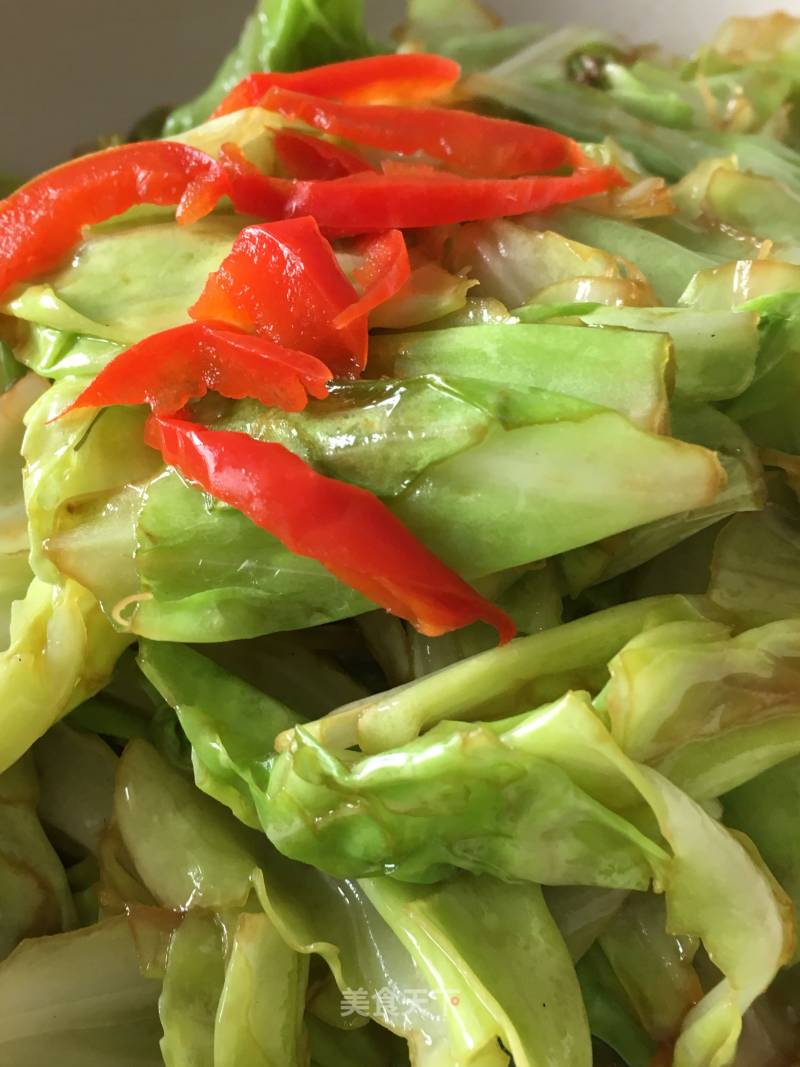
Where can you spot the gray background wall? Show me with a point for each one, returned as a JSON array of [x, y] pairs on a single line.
[[70, 69]]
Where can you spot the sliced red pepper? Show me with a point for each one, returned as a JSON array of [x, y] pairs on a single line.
[[402, 78], [251, 192], [347, 529], [170, 368], [469, 144], [281, 280], [411, 197], [307, 157], [44, 219], [384, 270], [202, 195]]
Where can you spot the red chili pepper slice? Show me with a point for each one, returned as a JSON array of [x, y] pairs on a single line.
[[251, 192], [409, 197], [404, 78], [347, 529], [307, 157], [384, 270], [175, 366], [43, 220], [281, 280], [403, 196], [470, 144]]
